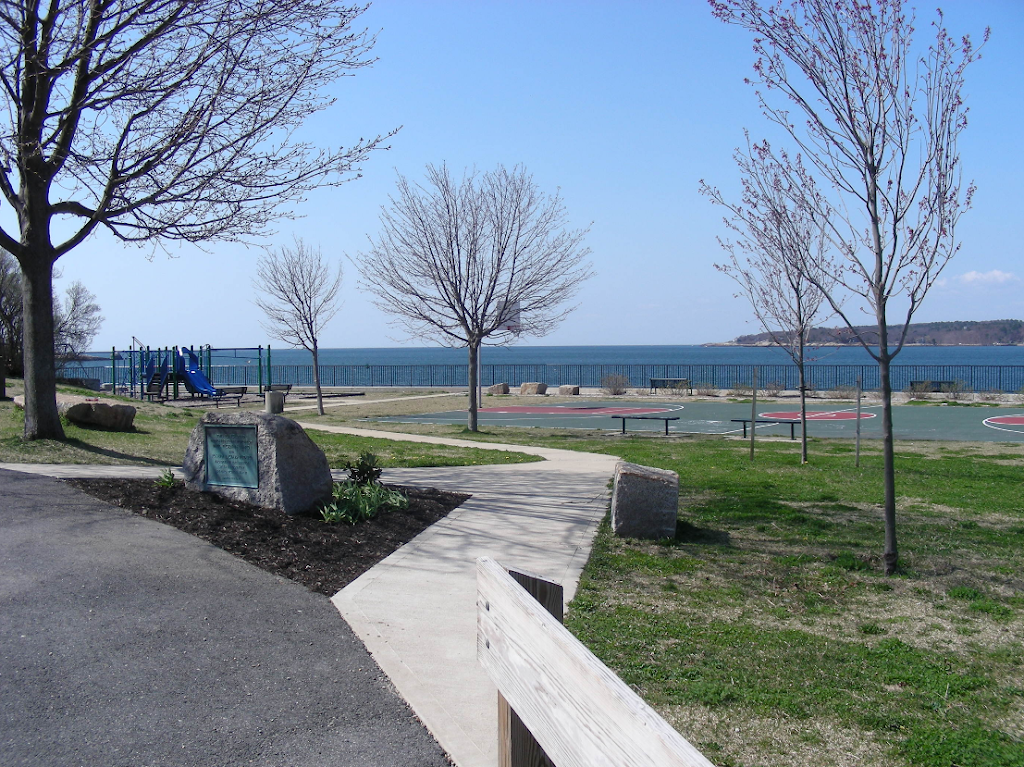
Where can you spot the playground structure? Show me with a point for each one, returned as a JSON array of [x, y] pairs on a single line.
[[169, 373]]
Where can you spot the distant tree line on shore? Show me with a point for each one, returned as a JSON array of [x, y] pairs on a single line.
[[984, 333]]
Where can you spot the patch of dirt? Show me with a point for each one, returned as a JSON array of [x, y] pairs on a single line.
[[323, 558]]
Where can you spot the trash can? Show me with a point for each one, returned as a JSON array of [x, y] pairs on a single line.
[[275, 402]]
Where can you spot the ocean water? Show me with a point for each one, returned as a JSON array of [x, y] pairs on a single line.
[[623, 355]]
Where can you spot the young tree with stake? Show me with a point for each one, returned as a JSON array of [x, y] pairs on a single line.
[[879, 123], [157, 120], [780, 259], [457, 261], [301, 297]]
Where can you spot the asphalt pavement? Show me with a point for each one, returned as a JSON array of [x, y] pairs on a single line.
[[127, 642]]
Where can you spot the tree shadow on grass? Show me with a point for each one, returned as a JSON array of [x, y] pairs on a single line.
[[689, 533], [108, 453]]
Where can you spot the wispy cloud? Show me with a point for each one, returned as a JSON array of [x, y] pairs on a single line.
[[994, 277]]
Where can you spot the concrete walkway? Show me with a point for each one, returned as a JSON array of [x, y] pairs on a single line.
[[416, 610]]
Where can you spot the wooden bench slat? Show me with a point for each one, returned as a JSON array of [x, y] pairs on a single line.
[[579, 711]]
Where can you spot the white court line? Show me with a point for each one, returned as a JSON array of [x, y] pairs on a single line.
[[1000, 428]]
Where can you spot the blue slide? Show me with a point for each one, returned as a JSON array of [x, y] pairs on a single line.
[[195, 380]]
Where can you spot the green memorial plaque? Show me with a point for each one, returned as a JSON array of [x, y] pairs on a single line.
[[231, 456]]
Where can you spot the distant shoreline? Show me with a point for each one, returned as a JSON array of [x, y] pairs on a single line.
[[770, 345]]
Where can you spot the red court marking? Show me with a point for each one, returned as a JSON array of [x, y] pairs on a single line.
[[818, 415], [556, 410], [1006, 420]]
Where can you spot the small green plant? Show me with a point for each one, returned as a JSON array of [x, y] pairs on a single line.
[[871, 629], [352, 503], [166, 479], [965, 592], [366, 470]]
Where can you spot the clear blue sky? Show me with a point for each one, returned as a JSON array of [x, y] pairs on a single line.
[[624, 107]]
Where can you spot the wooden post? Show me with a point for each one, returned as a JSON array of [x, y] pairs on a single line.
[[516, 745]]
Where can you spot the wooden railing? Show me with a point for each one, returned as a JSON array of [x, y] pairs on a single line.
[[580, 713]]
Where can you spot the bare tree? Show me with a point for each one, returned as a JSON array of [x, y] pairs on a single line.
[[879, 122], [481, 260], [157, 120], [301, 298], [781, 257], [76, 322]]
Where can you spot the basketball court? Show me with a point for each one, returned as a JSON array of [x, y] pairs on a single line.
[[910, 422]]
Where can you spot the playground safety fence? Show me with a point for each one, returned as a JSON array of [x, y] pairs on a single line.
[[976, 378]]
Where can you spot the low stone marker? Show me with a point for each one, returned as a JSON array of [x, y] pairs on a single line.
[[263, 459], [533, 388], [644, 502], [501, 388], [569, 390], [91, 411]]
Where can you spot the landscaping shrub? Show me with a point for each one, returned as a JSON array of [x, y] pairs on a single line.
[[704, 389], [614, 384]]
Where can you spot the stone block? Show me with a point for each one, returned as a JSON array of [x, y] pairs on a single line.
[[501, 388], [569, 390], [644, 502], [293, 472], [533, 388], [91, 411]]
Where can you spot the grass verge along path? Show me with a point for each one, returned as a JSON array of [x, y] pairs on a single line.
[[161, 435]]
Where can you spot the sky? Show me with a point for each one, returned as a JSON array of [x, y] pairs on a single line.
[[622, 108]]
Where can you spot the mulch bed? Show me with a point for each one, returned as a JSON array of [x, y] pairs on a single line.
[[323, 558]]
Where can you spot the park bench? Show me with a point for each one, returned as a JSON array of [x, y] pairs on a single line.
[[227, 392], [285, 389], [792, 424], [935, 386], [665, 418], [671, 383]]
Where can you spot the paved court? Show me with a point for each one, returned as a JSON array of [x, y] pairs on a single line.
[[910, 422]]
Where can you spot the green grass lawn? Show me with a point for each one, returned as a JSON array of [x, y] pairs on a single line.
[[161, 435], [766, 634]]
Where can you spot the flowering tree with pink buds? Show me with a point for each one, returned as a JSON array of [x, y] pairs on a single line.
[[780, 258], [877, 121]]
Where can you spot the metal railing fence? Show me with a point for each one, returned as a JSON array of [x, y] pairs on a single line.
[[976, 378]]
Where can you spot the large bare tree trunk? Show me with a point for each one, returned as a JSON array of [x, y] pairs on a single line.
[[3, 369], [41, 418], [316, 379], [474, 352]]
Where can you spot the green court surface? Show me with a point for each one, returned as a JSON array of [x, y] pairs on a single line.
[[910, 422]]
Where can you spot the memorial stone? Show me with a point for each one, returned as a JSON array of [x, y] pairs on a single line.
[[259, 458]]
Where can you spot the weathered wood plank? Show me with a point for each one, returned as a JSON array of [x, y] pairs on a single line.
[[579, 711], [516, 745]]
